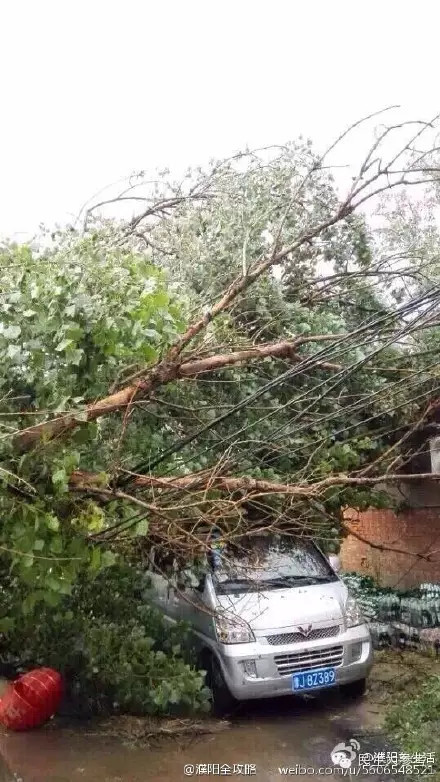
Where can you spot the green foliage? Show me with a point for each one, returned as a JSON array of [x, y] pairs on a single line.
[[73, 316], [415, 721], [115, 654], [83, 315]]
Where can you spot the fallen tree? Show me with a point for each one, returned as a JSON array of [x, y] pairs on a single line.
[[245, 353], [408, 167]]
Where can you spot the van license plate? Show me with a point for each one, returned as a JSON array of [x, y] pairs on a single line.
[[308, 680]]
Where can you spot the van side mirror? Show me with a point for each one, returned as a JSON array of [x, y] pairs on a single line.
[[201, 585], [335, 562]]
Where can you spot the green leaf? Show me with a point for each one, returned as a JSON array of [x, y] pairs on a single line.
[[56, 545], [65, 343], [13, 351], [39, 544], [96, 518], [75, 356], [60, 480], [53, 583], [12, 332], [95, 559], [29, 602], [108, 559], [152, 334], [65, 588], [161, 299], [71, 461], [141, 527], [52, 522], [52, 599]]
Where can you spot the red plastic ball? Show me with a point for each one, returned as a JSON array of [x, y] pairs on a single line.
[[31, 700]]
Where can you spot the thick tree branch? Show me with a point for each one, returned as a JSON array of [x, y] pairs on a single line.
[[163, 373], [208, 481]]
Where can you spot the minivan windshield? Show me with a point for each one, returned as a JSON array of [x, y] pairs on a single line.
[[269, 562]]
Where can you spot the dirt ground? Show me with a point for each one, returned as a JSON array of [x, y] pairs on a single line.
[[396, 673], [265, 735]]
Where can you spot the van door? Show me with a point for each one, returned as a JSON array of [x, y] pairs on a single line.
[[190, 604]]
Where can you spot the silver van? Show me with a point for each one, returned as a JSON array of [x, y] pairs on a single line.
[[270, 617]]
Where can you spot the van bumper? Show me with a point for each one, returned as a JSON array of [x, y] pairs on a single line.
[[253, 670]]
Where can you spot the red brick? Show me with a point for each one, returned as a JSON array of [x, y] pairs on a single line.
[[416, 531]]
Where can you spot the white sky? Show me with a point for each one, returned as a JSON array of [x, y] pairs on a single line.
[[92, 90]]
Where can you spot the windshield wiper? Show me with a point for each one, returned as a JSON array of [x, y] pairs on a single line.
[[283, 580], [275, 582], [236, 582]]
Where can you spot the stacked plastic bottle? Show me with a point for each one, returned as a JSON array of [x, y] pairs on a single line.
[[430, 615], [405, 621]]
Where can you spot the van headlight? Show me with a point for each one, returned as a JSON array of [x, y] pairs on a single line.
[[233, 631], [353, 613]]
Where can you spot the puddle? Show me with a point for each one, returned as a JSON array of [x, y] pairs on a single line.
[[263, 736]]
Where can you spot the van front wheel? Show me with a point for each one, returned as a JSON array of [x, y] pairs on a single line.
[[223, 702], [354, 689]]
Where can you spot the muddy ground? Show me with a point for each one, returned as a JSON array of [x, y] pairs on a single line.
[[263, 737]]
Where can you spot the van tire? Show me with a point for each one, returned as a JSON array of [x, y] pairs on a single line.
[[354, 689], [223, 702]]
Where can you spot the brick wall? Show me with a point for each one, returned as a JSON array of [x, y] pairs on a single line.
[[413, 531]]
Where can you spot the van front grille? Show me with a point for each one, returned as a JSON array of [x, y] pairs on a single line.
[[297, 638], [308, 660]]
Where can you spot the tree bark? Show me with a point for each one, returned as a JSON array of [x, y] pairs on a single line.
[[205, 481], [161, 374]]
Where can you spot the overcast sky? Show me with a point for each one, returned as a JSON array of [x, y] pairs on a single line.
[[93, 90]]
